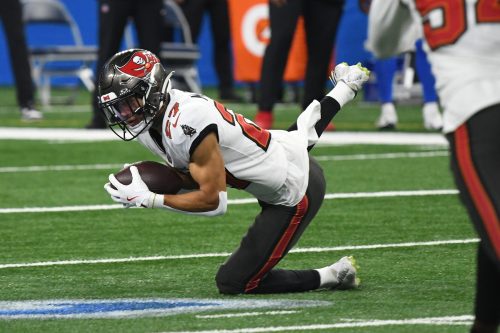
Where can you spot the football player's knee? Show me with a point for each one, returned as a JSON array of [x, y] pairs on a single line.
[[227, 284]]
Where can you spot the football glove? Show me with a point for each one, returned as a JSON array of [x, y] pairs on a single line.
[[136, 193], [347, 81]]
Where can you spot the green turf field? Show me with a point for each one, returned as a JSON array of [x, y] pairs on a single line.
[[398, 216]]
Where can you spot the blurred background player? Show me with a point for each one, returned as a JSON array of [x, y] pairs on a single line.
[[113, 17], [12, 19], [463, 44], [385, 69], [194, 11], [321, 18]]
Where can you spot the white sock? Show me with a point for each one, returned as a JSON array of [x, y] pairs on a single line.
[[431, 105], [342, 93], [327, 277]]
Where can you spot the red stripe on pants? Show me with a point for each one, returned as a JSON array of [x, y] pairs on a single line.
[[280, 248], [479, 196]]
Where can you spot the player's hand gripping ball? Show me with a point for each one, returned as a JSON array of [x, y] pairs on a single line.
[[135, 184]]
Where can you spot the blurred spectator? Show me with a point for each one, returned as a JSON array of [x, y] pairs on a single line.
[[12, 18], [113, 17], [385, 69], [194, 11], [321, 18], [464, 53]]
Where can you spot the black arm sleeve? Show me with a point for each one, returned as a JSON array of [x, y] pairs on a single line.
[[329, 108]]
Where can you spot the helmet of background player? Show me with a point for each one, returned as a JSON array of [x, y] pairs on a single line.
[[132, 89]]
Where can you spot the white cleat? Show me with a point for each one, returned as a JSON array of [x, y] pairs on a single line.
[[432, 117], [28, 114], [345, 270], [388, 117], [353, 76], [347, 81]]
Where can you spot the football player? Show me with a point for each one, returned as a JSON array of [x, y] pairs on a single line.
[[463, 44], [214, 147]]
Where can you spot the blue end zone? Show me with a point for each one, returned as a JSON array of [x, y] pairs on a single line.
[[133, 307], [86, 308]]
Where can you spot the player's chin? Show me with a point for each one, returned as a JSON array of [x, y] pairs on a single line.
[[133, 121]]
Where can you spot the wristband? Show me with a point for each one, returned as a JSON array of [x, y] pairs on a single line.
[[158, 201]]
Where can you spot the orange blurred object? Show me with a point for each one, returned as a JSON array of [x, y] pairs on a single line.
[[250, 33]]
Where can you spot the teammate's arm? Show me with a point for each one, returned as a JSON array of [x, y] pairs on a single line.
[[391, 29]]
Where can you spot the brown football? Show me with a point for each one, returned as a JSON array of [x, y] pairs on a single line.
[[159, 178]]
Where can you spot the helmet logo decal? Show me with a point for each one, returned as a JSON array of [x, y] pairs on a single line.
[[108, 97], [140, 64]]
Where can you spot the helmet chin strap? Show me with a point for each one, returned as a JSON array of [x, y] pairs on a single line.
[[166, 87]]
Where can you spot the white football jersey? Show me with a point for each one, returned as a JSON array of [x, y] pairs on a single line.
[[264, 163], [463, 47]]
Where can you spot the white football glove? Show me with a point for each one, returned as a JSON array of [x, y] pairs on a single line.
[[347, 81], [136, 193]]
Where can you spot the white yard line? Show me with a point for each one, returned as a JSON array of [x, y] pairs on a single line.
[[384, 246], [382, 138], [355, 157], [246, 314], [62, 109], [58, 209], [68, 167], [333, 138], [70, 134], [101, 166], [464, 320], [385, 194], [328, 196], [225, 254]]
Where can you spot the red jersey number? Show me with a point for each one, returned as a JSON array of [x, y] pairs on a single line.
[[454, 19], [488, 11], [260, 136]]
